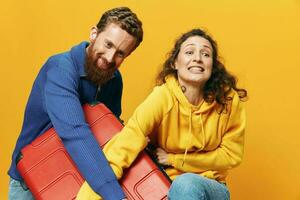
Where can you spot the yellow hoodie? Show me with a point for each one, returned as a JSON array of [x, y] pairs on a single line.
[[196, 138]]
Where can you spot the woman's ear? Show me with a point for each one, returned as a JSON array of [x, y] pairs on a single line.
[[174, 65]]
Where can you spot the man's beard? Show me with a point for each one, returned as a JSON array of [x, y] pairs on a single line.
[[94, 73]]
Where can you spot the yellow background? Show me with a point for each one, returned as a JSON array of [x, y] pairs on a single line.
[[259, 41]]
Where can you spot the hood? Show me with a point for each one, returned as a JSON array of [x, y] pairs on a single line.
[[174, 87]]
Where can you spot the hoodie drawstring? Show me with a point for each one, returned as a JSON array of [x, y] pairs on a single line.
[[203, 133], [190, 139], [190, 133]]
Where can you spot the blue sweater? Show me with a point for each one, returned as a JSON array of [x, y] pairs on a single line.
[[56, 99]]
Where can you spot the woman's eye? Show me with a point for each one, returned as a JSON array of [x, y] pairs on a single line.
[[189, 52], [206, 54]]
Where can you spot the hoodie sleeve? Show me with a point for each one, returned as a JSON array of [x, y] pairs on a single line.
[[122, 149], [230, 152]]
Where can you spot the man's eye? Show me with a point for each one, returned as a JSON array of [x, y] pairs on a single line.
[[121, 54], [108, 45]]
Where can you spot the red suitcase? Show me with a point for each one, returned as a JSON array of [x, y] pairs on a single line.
[[50, 173]]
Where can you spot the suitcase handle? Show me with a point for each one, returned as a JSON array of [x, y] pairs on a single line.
[[22, 183], [150, 148], [19, 157]]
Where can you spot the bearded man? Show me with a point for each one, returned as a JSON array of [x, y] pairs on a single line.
[[87, 73]]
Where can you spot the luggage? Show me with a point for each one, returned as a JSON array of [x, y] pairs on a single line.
[[50, 173]]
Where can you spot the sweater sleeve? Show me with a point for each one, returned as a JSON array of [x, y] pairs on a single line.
[[229, 153], [66, 114], [122, 150]]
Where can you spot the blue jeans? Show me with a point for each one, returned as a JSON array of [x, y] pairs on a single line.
[[18, 190], [190, 186]]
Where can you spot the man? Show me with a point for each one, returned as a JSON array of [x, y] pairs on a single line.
[[86, 73]]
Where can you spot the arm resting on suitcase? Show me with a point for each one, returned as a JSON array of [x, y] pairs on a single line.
[[66, 114], [123, 148]]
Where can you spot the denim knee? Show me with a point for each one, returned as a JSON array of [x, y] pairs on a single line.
[[184, 187], [18, 190], [191, 186]]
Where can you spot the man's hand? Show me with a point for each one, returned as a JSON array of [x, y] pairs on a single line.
[[162, 156]]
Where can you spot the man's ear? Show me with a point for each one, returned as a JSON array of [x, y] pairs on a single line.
[[93, 33]]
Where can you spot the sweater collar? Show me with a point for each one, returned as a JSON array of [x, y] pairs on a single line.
[[78, 54]]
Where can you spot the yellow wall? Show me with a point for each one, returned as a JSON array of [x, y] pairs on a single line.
[[260, 43]]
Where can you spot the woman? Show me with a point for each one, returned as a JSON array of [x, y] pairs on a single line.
[[199, 117]]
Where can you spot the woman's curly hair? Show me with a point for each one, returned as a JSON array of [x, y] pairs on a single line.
[[221, 82]]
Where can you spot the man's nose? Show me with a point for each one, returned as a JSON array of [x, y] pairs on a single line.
[[110, 55]]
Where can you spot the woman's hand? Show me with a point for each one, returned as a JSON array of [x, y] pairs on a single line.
[[162, 156]]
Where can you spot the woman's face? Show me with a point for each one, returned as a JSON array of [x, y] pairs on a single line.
[[194, 61]]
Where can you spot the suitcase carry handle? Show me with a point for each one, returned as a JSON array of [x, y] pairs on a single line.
[[22, 183], [19, 157], [150, 148]]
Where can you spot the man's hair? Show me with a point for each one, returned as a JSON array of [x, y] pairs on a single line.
[[126, 19]]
